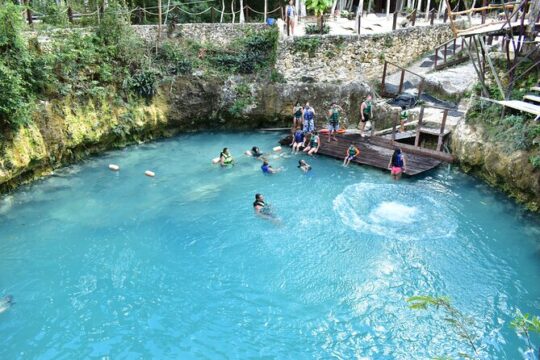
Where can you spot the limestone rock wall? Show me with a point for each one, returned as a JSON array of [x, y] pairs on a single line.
[[353, 58], [510, 172]]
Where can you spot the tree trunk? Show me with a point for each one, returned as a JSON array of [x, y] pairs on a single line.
[[387, 9], [242, 19], [265, 10], [427, 9], [232, 11], [419, 6], [534, 15], [333, 9], [369, 5], [222, 10]]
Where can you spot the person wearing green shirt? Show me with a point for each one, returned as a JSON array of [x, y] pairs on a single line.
[[366, 113]]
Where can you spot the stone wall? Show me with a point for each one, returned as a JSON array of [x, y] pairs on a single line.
[[509, 171], [353, 58], [221, 34]]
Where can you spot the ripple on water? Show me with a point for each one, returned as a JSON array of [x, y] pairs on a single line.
[[395, 210]]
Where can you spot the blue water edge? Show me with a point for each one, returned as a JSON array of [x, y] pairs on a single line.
[[118, 265]]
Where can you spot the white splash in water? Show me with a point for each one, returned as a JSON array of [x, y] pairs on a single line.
[[393, 212]]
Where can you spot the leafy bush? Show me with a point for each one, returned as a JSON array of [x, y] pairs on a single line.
[[14, 101], [307, 45], [313, 29], [173, 58], [535, 161], [55, 15], [144, 82]]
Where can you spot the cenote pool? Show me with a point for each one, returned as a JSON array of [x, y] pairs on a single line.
[[119, 265]]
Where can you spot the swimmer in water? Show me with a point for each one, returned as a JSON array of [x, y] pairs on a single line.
[[267, 168], [225, 158], [304, 166], [256, 152]]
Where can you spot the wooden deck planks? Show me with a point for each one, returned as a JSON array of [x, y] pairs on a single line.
[[375, 153]]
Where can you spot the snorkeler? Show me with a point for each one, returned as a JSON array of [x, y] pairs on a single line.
[[304, 166], [225, 158]]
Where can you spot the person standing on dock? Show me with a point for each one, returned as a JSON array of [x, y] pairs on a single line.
[[397, 164], [403, 117], [333, 120], [366, 113], [298, 111], [309, 118]]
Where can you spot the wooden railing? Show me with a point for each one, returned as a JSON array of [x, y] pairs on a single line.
[[454, 59], [402, 78]]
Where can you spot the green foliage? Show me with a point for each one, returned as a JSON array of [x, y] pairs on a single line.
[[308, 45], [524, 325], [255, 51], [55, 15], [277, 77], [462, 326], [12, 43], [14, 101], [318, 6], [388, 42], [144, 82], [535, 161], [312, 29], [174, 60], [243, 99]]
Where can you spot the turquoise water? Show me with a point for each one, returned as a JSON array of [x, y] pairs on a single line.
[[121, 266]]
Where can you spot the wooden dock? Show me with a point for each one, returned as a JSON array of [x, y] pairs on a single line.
[[376, 151]]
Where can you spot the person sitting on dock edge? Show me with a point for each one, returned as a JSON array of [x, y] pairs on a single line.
[[298, 140], [352, 152], [314, 144]]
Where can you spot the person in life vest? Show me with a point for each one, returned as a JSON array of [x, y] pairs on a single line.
[[333, 120], [291, 16], [309, 118], [313, 145], [298, 112], [261, 208], [397, 164], [225, 158], [403, 116], [298, 140], [366, 113], [351, 153], [267, 168]]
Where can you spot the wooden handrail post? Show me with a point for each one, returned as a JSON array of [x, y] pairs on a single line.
[[420, 88], [414, 17], [419, 127], [454, 46], [213, 14], [436, 56], [401, 81], [394, 22], [29, 12], [432, 17], [383, 87], [445, 51], [70, 14], [396, 119], [484, 4], [441, 133]]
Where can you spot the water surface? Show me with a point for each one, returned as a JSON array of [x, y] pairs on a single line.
[[120, 265]]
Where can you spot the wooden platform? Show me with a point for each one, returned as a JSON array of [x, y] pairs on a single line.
[[408, 134], [376, 151], [535, 88], [532, 98]]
